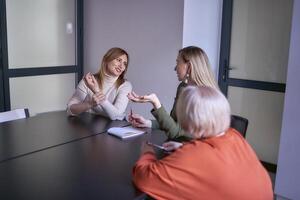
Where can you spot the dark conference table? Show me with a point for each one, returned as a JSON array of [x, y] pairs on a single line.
[[51, 156], [46, 130]]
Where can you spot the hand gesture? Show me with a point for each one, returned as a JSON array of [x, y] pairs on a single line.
[[171, 145], [152, 98], [139, 121], [97, 99], [91, 82]]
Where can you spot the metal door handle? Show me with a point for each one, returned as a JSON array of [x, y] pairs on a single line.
[[227, 68]]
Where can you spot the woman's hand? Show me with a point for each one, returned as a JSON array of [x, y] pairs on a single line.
[[97, 99], [152, 98], [139, 121], [172, 146], [91, 82]]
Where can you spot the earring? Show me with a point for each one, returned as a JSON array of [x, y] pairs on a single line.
[[186, 79]]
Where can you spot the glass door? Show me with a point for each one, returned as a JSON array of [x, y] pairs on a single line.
[[253, 67], [43, 46]]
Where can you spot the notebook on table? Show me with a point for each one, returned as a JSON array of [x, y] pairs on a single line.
[[125, 132]]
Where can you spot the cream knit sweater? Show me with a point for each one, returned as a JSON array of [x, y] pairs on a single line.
[[113, 106]]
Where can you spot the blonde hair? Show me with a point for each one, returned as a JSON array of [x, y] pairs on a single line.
[[201, 73], [203, 111], [110, 55]]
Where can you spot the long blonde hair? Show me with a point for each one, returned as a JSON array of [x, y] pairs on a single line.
[[110, 55], [200, 68]]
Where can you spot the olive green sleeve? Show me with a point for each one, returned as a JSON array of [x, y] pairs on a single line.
[[154, 124], [167, 123]]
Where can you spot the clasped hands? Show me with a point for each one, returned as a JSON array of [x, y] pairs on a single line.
[[98, 97]]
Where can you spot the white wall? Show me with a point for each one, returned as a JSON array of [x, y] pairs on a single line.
[[202, 27], [288, 176], [151, 32]]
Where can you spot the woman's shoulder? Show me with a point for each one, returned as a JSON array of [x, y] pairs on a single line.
[[82, 84], [126, 84]]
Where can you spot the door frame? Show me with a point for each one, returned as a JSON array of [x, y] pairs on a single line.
[[224, 80], [3, 56], [6, 73]]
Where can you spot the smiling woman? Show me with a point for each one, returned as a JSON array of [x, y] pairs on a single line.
[[117, 66], [104, 93]]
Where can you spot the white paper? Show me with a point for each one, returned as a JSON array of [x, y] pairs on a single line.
[[12, 115], [125, 132]]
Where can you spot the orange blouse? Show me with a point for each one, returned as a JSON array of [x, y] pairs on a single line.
[[223, 167]]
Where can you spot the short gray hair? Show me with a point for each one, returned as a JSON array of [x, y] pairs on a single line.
[[203, 111]]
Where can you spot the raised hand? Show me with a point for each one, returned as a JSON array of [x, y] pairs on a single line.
[[136, 98], [139, 121], [171, 145], [152, 98], [91, 82]]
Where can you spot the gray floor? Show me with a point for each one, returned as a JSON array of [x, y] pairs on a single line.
[[273, 177]]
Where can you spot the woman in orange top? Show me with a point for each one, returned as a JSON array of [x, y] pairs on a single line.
[[217, 164]]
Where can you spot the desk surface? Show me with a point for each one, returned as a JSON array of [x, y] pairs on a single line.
[[24, 136], [94, 167]]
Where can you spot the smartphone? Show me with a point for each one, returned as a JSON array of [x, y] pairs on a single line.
[[155, 145]]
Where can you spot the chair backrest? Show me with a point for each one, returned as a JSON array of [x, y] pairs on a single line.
[[14, 114], [239, 123]]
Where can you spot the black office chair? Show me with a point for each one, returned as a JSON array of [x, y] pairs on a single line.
[[240, 124], [14, 114]]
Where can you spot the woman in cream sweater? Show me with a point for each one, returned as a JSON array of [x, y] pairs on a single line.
[[105, 92]]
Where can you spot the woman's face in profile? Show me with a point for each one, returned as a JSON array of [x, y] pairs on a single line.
[[181, 68], [117, 66]]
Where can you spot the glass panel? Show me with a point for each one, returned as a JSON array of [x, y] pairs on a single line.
[[41, 33], [261, 32], [264, 110], [41, 93]]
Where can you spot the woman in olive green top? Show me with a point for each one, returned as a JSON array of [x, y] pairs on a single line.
[[193, 68]]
